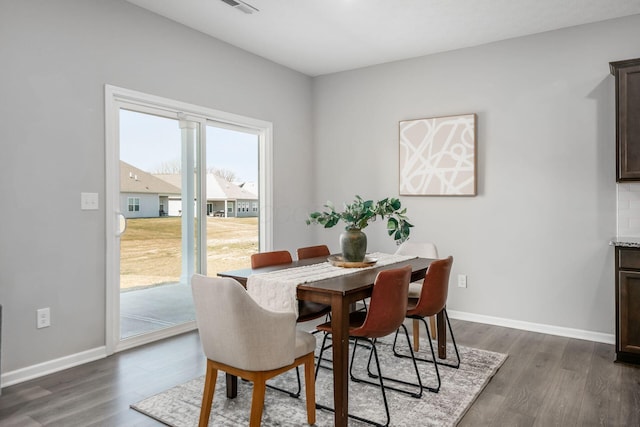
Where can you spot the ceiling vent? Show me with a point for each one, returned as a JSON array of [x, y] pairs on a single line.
[[241, 6]]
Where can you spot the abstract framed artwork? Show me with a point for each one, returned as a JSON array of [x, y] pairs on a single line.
[[438, 156]]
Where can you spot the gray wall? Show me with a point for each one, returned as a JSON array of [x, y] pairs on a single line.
[[56, 58], [534, 242]]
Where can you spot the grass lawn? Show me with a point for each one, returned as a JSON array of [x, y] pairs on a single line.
[[150, 249]]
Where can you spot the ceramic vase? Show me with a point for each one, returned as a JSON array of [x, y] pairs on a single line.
[[353, 243]]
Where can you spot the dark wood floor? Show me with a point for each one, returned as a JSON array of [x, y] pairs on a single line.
[[546, 381]]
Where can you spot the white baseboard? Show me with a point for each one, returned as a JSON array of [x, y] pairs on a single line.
[[534, 327], [51, 366]]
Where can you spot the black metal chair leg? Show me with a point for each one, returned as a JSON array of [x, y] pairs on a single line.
[[381, 384], [453, 340], [397, 380], [455, 365], [374, 351], [435, 364], [296, 394], [412, 355], [322, 349]]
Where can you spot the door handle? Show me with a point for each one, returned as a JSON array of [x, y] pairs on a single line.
[[122, 224]]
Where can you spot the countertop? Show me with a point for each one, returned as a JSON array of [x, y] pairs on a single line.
[[625, 242]]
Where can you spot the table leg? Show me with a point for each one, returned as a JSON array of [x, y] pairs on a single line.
[[442, 335], [232, 386], [340, 337]]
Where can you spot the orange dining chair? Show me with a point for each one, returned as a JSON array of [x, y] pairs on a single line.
[[432, 300], [320, 251], [243, 339], [265, 259], [307, 310], [387, 310], [423, 250], [313, 252]]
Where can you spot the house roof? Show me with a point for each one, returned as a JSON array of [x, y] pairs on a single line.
[[217, 187], [134, 180]]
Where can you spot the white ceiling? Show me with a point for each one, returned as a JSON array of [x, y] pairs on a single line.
[[319, 37]]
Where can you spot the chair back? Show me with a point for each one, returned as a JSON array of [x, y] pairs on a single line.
[[265, 259], [313, 252], [435, 289], [388, 305], [236, 331], [423, 250]]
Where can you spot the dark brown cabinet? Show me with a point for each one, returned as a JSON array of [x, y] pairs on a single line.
[[628, 304], [627, 74]]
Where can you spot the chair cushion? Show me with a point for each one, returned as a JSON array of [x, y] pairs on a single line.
[[356, 319], [308, 310], [305, 343], [415, 288]]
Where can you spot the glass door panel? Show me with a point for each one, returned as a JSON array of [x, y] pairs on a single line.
[[232, 197], [154, 291]]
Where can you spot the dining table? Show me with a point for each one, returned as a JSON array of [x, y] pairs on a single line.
[[341, 293]]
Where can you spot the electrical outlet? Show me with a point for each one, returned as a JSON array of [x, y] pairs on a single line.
[[462, 280], [43, 318]]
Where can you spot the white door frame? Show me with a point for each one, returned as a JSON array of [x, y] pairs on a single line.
[[117, 98]]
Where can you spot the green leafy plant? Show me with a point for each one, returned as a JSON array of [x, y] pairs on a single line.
[[359, 213]]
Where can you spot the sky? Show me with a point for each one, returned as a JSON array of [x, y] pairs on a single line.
[[148, 142]]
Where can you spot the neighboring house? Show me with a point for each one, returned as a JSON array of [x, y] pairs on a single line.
[[250, 186], [142, 195], [224, 198]]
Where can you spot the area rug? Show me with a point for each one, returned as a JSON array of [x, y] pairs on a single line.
[[180, 405]]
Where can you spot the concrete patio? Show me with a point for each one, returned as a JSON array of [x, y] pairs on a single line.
[[158, 307]]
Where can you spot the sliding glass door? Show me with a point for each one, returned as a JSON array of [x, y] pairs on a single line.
[[233, 200], [187, 192], [157, 250]]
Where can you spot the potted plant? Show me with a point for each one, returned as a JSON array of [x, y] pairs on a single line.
[[356, 216]]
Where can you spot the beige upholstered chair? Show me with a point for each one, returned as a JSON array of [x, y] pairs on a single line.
[[307, 310], [422, 250], [243, 339]]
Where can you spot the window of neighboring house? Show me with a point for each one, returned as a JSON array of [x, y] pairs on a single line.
[[255, 206], [134, 204]]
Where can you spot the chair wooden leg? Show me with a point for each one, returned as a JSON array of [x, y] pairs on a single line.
[[432, 323], [207, 395], [416, 335], [257, 400], [310, 388]]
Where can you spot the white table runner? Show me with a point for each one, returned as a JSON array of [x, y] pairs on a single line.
[[276, 290]]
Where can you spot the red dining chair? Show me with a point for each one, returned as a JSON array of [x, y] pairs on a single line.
[[307, 310], [313, 252], [422, 250], [316, 252], [432, 300], [265, 259], [387, 310]]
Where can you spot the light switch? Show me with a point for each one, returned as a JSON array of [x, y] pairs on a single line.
[[89, 201]]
